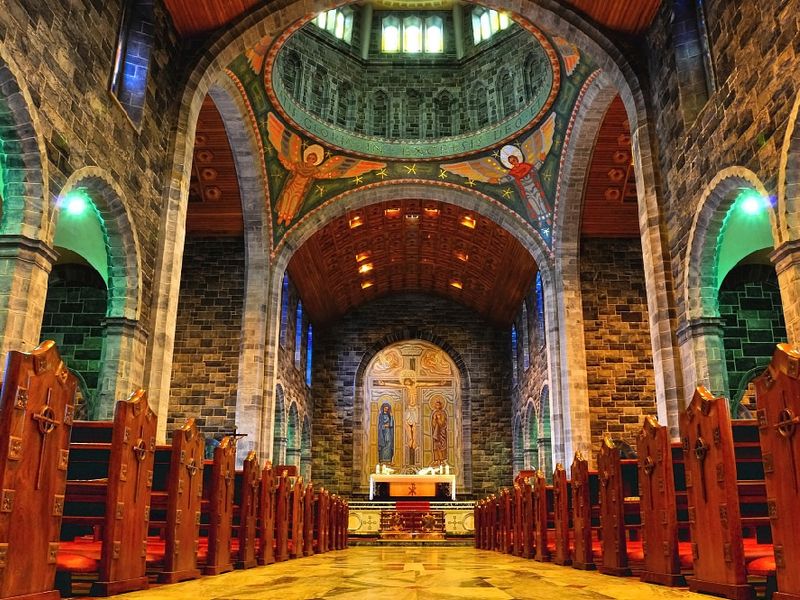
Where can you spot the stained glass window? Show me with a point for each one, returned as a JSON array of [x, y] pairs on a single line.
[[338, 22], [486, 22]]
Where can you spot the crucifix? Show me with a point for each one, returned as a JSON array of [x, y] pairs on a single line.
[[140, 451], [46, 419]]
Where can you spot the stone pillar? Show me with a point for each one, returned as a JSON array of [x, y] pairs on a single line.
[[293, 457], [122, 360], [786, 259], [531, 458], [25, 266], [702, 349]]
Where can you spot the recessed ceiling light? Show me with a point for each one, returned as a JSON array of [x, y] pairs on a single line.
[[367, 284], [392, 213], [355, 221], [431, 212], [362, 256], [468, 221], [460, 255], [365, 268], [456, 283]]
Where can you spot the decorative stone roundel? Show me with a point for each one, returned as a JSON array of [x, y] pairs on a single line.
[[412, 107]]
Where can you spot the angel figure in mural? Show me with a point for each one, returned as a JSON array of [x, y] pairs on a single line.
[[385, 434], [305, 166], [518, 164]]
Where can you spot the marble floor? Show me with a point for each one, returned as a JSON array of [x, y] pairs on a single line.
[[402, 573]]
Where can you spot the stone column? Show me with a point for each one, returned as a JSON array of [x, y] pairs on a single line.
[[703, 352], [531, 458], [25, 266], [122, 360], [786, 259]]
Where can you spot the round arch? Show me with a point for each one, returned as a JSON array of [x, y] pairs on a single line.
[[293, 436], [531, 434], [122, 242], [305, 449], [279, 427], [257, 29], [519, 444]]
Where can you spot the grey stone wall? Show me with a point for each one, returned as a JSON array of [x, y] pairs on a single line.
[[65, 53], [619, 361], [750, 306], [208, 335], [73, 318], [341, 348], [754, 50]]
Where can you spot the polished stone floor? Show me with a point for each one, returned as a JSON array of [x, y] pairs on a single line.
[[398, 573]]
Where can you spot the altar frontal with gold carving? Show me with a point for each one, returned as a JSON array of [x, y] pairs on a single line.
[[413, 413]]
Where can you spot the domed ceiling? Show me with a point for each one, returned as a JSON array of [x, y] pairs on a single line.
[[489, 115]]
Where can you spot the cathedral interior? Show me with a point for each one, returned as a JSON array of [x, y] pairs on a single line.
[[417, 253]]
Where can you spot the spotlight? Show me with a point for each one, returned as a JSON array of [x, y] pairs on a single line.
[[75, 204], [752, 203]]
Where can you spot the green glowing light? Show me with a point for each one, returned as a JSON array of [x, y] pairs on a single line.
[[752, 203], [75, 204]]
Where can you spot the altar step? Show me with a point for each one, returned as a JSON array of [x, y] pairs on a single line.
[[454, 542]]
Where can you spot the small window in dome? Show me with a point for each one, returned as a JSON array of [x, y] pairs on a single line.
[[434, 38], [390, 35], [487, 22], [412, 35], [338, 22]]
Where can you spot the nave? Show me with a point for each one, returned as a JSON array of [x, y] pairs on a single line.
[[411, 573]]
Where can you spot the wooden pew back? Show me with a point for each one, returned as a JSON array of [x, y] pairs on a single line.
[[266, 525], [282, 517], [247, 498], [308, 520], [220, 498], [185, 495], [778, 408], [714, 514], [36, 412], [658, 504], [542, 508], [561, 516], [584, 501], [296, 538]]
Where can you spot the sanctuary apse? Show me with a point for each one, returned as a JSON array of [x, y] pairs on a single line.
[[399, 236]]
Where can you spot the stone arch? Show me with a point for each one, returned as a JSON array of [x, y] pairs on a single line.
[[293, 436], [544, 427], [258, 27], [519, 447], [531, 434], [401, 335], [788, 213], [700, 270], [122, 242], [701, 332], [305, 449], [23, 168], [279, 427]]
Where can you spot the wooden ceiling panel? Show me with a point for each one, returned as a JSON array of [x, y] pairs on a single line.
[[412, 246], [215, 205], [610, 206], [625, 16], [200, 17]]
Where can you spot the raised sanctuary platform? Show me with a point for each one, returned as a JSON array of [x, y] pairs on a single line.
[[365, 518]]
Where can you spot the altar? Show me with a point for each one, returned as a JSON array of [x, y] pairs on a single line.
[[412, 485]]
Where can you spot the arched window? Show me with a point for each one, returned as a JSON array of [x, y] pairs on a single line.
[[284, 309], [526, 355], [298, 335], [345, 106], [434, 35], [290, 73], [540, 331], [444, 115], [533, 75], [390, 35], [318, 101], [479, 106], [412, 114], [505, 91], [309, 353], [132, 60], [380, 113], [486, 22], [514, 355], [279, 428], [544, 442], [338, 22], [532, 436], [293, 437], [519, 448], [412, 35]]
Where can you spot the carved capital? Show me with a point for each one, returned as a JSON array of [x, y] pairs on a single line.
[[701, 327]]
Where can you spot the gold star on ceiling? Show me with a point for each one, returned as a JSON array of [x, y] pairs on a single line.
[[320, 190], [442, 174], [382, 173], [470, 182], [507, 193], [358, 179], [411, 170]]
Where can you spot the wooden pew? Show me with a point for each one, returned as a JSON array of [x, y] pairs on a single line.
[[562, 516], [661, 472], [322, 520], [528, 541], [308, 520], [124, 464], [619, 509], [585, 512], [542, 516], [266, 522], [717, 497], [517, 510], [246, 500], [185, 493], [282, 518], [218, 491], [778, 407], [296, 501], [494, 522], [506, 520], [38, 390], [477, 512]]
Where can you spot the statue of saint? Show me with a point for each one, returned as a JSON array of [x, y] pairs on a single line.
[[385, 434], [439, 433]]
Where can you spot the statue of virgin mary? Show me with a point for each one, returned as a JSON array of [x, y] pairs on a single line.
[[385, 434]]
